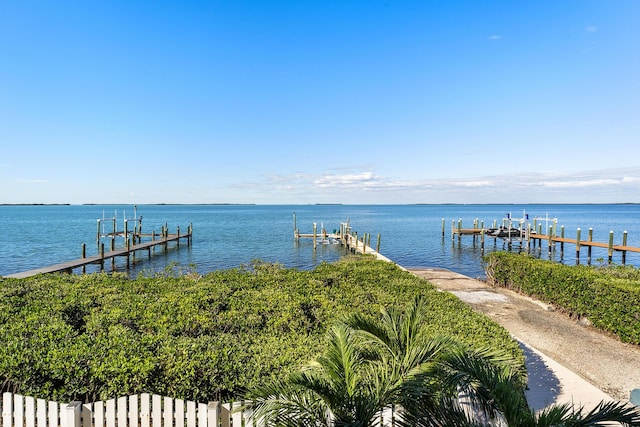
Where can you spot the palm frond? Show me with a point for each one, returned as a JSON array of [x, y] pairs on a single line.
[[605, 413], [341, 361], [444, 411], [490, 380], [284, 404]]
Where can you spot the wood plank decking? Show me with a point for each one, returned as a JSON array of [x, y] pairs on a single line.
[[69, 266]]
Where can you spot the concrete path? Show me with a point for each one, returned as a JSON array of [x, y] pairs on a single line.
[[567, 362]]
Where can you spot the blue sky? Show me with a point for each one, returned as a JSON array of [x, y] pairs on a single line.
[[320, 101]]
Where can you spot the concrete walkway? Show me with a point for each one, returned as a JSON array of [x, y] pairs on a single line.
[[567, 362]]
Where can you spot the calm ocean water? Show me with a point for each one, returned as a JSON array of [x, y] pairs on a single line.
[[227, 236]]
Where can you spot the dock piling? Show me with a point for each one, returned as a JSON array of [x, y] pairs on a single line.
[[84, 255], [589, 239], [610, 248], [315, 235], [578, 246]]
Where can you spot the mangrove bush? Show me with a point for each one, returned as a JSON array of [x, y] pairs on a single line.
[[99, 336]]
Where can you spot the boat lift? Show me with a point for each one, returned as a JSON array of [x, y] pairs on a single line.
[[125, 233]]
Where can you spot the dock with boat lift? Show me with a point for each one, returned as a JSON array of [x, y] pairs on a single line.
[[343, 236], [521, 231], [133, 242]]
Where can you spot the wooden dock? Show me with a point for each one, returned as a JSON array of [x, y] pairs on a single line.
[[344, 236], [128, 251], [552, 239], [527, 236]]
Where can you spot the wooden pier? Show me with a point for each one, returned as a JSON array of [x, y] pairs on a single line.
[[344, 236], [129, 251], [527, 235]]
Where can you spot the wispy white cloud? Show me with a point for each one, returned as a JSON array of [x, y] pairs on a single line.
[[494, 37], [473, 183], [591, 29], [580, 184], [359, 184]]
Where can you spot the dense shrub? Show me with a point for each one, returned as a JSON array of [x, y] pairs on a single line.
[[609, 296], [100, 336]]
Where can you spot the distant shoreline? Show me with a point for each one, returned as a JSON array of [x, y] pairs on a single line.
[[321, 204], [35, 204]]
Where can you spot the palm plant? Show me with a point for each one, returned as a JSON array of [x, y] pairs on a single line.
[[340, 388], [373, 364]]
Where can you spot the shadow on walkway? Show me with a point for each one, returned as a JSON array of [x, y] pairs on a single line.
[[543, 386]]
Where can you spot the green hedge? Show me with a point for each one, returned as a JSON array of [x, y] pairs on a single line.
[[100, 336], [609, 296]]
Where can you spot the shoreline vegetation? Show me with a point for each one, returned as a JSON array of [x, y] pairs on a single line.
[[605, 296], [209, 337]]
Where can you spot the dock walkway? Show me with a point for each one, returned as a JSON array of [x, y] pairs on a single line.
[[525, 235], [69, 266], [566, 361], [344, 236]]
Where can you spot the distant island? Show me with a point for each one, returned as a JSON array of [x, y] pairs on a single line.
[[35, 204]]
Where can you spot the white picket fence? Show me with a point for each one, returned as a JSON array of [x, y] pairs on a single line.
[[143, 410]]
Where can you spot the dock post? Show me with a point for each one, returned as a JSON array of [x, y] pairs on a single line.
[[453, 228], [113, 247], [378, 243], [495, 239], [443, 228], [482, 238], [356, 239], [84, 255], [578, 246], [98, 233], [364, 243], [590, 247], [165, 231], [550, 239], [475, 225], [315, 235], [102, 257], [128, 248], [562, 243], [190, 234], [610, 246], [295, 227], [459, 230], [624, 243], [178, 233]]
